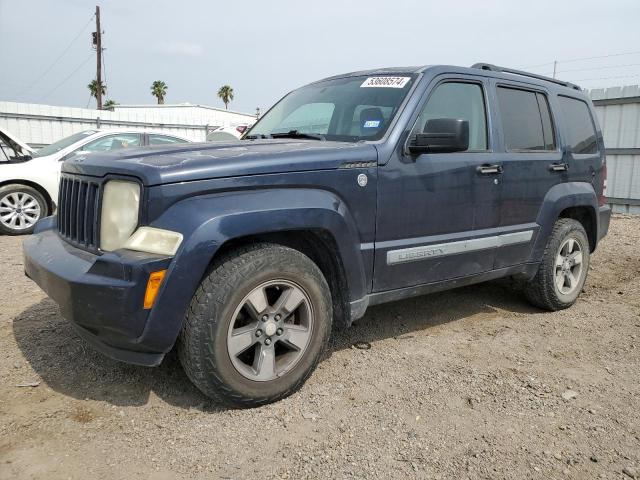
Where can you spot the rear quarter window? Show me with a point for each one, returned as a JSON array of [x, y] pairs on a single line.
[[579, 126]]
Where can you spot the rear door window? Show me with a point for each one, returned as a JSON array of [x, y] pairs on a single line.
[[526, 120], [581, 132]]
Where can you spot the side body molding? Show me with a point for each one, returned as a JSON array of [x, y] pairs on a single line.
[[558, 198], [207, 222]]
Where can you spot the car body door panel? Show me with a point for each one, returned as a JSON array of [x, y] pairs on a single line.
[[436, 211], [529, 146]]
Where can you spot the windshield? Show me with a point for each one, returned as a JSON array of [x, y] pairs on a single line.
[[346, 109], [62, 144]]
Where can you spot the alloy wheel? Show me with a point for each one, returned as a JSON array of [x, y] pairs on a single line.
[[19, 211], [568, 266], [270, 330]]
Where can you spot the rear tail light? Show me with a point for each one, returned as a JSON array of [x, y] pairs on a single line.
[[602, 198], [241, 128]]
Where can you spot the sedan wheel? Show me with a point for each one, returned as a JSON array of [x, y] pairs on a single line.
[[20, 208]]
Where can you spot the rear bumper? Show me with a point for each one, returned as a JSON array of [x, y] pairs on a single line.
[[102, 295], [604, 218]]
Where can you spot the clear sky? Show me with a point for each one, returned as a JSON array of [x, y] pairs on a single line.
[[264, 48]]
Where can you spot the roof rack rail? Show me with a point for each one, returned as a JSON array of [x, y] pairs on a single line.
[[495, 68]]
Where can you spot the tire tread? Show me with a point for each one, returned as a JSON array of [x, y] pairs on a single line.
[[540, 291], [197, 356]]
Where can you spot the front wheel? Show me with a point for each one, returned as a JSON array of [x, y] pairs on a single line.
[[257, 326], [563, 269], [21, 207]]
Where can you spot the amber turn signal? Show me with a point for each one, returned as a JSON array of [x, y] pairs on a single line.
[[153, 287]]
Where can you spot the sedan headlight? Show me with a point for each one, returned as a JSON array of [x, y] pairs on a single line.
[[120, 205]]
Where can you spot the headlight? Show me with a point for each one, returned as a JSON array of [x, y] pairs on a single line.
[[120, 205], [154, 240]]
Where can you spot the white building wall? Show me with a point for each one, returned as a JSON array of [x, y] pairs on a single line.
[[203, 114], [40, 125]]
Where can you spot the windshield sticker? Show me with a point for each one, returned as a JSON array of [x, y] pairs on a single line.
[[385, 82], [372, 124]]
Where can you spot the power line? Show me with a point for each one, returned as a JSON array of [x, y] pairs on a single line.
[[606, 78], [594, 68], [600, 56], [56, 60], [571, 60], [600, 68], [67, 78], [539, 65]]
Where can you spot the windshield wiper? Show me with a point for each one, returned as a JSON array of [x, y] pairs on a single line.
[[256, 136], [298, 134]]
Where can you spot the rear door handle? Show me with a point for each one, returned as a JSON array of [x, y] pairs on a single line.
[[559, 167], [487, 169]]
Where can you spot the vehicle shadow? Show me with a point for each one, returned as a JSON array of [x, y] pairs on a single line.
[[402, 318], [71, 367]]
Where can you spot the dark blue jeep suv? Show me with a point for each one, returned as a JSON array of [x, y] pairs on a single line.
[[355, 190]]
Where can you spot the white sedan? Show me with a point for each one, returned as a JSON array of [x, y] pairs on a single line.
[[29, 179]]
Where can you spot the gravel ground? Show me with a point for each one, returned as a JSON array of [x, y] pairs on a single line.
[[471, 383]]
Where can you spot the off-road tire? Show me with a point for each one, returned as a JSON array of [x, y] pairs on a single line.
[[37, 196], [542, 291], [202, 344]]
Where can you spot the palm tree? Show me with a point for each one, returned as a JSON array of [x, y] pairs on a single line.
[[226, 94], [159, 90], [109, 104], [93, 88]]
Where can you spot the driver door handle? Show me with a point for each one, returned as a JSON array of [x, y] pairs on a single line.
[[487, 169], [559, 167]]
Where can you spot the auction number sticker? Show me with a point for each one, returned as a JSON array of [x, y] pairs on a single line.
[[385, 82]]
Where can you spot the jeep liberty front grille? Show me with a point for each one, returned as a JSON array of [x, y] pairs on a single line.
[[78, 211]]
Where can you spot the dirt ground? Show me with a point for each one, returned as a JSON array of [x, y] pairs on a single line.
[[463, 384]]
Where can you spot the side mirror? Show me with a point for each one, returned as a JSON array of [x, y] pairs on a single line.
[[441, 135]]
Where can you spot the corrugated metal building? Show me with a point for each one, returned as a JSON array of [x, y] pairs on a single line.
[[618, 110], [40, 125]]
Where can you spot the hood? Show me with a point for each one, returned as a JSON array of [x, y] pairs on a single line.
[[182, 163], [21, 148]]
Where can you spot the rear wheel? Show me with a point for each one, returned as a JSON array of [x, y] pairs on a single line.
[[257, 326], [21, 207], [563, 269]]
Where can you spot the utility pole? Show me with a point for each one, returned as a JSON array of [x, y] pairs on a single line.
[[99, 59], [257, 112], [555, 64]]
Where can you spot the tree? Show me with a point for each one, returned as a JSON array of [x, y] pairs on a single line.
[[226, 94], [93, 88], [159, 90], [109, 104]]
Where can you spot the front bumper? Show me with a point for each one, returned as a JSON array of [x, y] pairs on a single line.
[[102, 295]]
